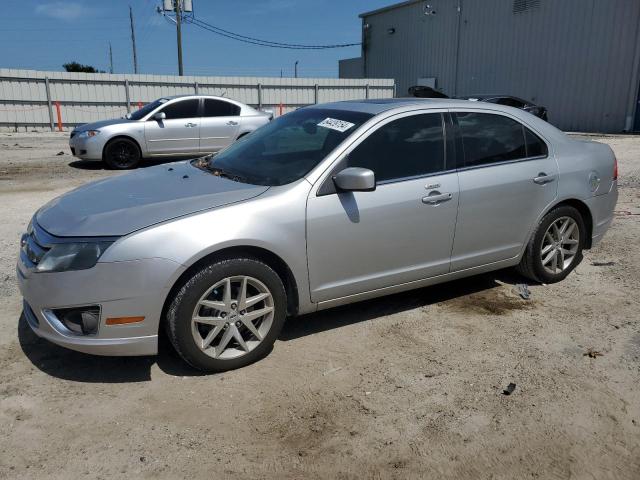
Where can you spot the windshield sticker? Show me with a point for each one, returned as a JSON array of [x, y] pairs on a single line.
[[334, 124]]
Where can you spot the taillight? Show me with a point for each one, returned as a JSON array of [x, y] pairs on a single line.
[[615, 168]]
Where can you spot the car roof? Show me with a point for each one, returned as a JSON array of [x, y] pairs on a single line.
[[376, 106]]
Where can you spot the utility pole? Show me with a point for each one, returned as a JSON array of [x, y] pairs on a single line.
[[295, 69], [110, 59], [179, 34], [133, 42]]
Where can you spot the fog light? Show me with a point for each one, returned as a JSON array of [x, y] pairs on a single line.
[[81, 320]]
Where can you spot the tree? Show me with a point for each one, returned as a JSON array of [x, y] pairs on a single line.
[[78, 67]]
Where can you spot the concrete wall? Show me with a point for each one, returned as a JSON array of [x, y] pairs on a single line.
[[579, 58], [87, 97]]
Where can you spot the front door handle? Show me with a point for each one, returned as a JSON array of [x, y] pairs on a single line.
[[231, 122], [543, 179], [190, 125], [436, 198]]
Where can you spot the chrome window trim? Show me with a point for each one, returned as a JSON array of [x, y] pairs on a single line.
[[506, 162]]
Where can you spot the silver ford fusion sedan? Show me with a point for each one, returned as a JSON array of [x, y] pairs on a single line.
[[325, 206], [186, 125]]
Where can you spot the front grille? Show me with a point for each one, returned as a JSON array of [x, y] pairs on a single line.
[[32, 249]]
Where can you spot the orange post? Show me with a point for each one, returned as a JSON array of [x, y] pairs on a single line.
[[59, 116], [281, 108]]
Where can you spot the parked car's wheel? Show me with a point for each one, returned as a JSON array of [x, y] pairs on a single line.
[[227, 315], [122, 154], [555, 248]]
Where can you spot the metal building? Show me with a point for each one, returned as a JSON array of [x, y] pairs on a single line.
[[579, 58]]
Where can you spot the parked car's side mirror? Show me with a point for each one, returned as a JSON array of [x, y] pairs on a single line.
[[355, 179], [160, 116]]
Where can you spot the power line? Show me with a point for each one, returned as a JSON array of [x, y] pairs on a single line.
[[264, 43]]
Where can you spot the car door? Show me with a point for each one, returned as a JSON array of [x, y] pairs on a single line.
[[219, 125], [507, 178], [179, 132], [402, 231]]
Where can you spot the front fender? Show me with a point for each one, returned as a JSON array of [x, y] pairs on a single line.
[[274, 221]]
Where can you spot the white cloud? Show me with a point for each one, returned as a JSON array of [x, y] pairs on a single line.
[[62, 10]]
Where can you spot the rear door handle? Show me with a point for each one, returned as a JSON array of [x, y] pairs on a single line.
[[437, 198], [231, 122], [543, 178]]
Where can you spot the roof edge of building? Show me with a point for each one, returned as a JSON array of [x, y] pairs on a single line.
[[389, 7]]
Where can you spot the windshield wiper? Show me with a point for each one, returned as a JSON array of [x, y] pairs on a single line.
[[231, 176]]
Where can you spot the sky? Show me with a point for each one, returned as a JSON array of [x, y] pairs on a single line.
[[42, 35]]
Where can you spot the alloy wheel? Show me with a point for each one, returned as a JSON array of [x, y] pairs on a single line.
[[232, 317], [123, 154], [560, 245]]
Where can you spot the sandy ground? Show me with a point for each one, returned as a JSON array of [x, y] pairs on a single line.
[[408, 386]]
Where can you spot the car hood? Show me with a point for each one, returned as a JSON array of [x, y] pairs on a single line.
[[101, 124], [120, 205]]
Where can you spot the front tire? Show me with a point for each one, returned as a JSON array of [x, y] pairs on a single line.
[[227, 315], [555, 249], [122, 154]]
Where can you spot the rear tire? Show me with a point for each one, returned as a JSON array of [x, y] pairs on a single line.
[[215, 327], [555, 248], [122, 154]]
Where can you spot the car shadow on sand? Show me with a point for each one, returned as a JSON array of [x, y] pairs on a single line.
[[67, 364], [370, 310], [79, 367]]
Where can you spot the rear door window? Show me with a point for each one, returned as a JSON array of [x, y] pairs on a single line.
[[489, 138], [182, 109], [220, 108]]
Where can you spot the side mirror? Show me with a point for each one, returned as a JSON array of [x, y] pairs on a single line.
[[355, 179], [128, 116], [160, 116]]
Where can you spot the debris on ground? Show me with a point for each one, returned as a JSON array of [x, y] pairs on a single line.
[[522, 289], [602, 264], [591, 353], [330, 371], [509, 390]]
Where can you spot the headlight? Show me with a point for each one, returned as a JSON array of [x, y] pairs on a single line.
[[88, 133], [72, 256]]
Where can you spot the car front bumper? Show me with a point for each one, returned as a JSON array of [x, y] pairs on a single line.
[[120, 289], [86, 148]]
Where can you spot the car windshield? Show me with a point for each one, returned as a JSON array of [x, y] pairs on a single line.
[[148, 108], [286, 149]]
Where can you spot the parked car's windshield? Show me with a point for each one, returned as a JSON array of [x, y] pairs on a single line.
[[286, 149], [148, 108]]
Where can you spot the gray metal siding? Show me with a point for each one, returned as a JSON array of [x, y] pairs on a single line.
[[350, 68], [576, 57]]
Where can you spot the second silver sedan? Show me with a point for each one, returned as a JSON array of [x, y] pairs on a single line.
[[187, 125]]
